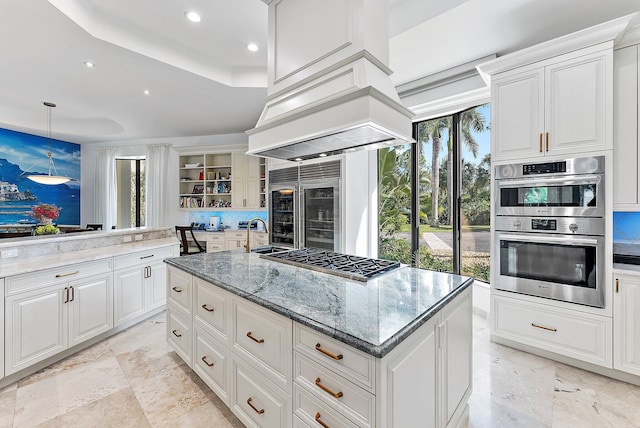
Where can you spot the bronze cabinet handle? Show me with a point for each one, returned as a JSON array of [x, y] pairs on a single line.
[[204, 359], [318, 420], [176, 334], [73, 294], [206, 308], [327, 353], [146, 257], [261, 411], [66, 294], [62, 275], [541, 142], [250, 336], [617, 286], [327, 390], [176, 289], [547, 142], [543, 327]]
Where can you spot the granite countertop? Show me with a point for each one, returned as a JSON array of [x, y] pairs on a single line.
[[15, 266], [372, 316]]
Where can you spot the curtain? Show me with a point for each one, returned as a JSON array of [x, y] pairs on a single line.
[[104, 196], [157, 165]]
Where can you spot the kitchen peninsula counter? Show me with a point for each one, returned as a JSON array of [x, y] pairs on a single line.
[[372, 316]]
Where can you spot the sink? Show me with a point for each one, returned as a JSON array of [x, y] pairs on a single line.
[[269, 249]]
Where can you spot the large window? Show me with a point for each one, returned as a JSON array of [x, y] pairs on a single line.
[[130, 190], [434, 195]]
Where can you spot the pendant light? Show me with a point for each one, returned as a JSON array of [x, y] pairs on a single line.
[[49, 179]]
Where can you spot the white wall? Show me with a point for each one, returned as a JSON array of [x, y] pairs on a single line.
[[139, 148]]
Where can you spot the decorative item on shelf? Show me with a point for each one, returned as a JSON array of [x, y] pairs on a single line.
[[216, 188], [201, 175], [198, 188], [192, 165], [210, 175]]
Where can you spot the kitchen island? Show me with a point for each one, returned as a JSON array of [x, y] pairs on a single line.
[[287, 346]]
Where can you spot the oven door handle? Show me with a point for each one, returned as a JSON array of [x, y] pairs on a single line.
[[537, 182], [550, 239]]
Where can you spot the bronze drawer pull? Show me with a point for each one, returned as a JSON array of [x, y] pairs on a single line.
[[62, 275], [176, 334], [318, 420], [176, 289], [261, 411], [543, 327], [327, 353], [327, 390], [206, 308], [541, 142], [547, 142], [253, 338], [146, 257], [204, 359]]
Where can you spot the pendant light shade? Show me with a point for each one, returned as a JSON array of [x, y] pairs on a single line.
[[49, 178]]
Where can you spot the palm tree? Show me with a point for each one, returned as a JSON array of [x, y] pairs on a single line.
[[395, 189], [471, 120], [432, 130]]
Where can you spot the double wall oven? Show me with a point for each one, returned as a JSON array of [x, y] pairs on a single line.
[[549, 229]]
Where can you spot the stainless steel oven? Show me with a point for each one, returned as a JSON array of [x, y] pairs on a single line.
[[544, 257], [549, 230], [573, 187]]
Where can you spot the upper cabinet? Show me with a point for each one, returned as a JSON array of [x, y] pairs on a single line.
[[222, 181], [556, 106], [626, 116]]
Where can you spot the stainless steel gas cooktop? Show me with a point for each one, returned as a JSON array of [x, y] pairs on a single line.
[[347, 266]]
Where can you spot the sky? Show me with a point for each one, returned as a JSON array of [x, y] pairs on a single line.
[[29, 152]]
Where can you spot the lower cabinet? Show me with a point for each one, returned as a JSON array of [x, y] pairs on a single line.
[[140, 283], [2, 329], [273, 372], [626, 329], [67, 314]]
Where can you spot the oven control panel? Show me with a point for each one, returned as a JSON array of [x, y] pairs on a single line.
[[544, 168], [591, 226]]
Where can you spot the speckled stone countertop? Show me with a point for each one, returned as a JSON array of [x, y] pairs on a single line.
[[373, 316]]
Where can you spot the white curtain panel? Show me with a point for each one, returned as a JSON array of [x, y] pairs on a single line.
[[157, 165], [104, 197]]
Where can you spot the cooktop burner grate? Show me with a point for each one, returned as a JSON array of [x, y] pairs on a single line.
[[353, 267]]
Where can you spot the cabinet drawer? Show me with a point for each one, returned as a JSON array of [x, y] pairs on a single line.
[[210, 363], [264, 339], [256, 401], [140, 258], [348, 398], [210, 311], [213, 247], [312, 412], [578, 335], [179, 289], [179, 334], [35, 280], [235, 235], [259, 238], [215, 238], [351, 363]]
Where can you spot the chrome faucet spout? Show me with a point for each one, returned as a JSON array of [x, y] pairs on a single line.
[[266, 230]]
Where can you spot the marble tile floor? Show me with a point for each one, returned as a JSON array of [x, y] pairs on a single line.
[[133, 379]]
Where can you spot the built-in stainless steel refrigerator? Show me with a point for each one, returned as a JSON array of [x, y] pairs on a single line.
[[320, 214], [283, 214]]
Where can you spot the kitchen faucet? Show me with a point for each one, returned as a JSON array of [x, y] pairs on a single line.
[[266, 230]]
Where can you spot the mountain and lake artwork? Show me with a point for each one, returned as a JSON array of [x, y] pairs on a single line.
[[25, 154]]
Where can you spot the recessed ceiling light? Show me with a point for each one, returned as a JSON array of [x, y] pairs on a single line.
[[252, 47], [89, 64], [192, 16], [298, 159], [146, 92], [322, 155]]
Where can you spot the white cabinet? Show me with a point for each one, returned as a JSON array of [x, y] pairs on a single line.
[[2, 329], [557, 106], [626, 312], [626, 116], [246, 185], [44, 321], [580, 335], [140, 283], [215, 242], [234, 239]]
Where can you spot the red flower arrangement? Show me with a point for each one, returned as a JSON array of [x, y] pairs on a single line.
[[45, 210]]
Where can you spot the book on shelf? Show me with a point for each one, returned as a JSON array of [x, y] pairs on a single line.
[[189, 202]]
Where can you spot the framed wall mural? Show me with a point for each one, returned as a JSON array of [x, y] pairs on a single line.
[[23, 154]]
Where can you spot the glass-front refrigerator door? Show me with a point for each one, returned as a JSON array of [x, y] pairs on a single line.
[[283, 210], [321, 216]]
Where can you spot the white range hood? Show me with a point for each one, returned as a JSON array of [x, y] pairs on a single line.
[[329, 90]]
